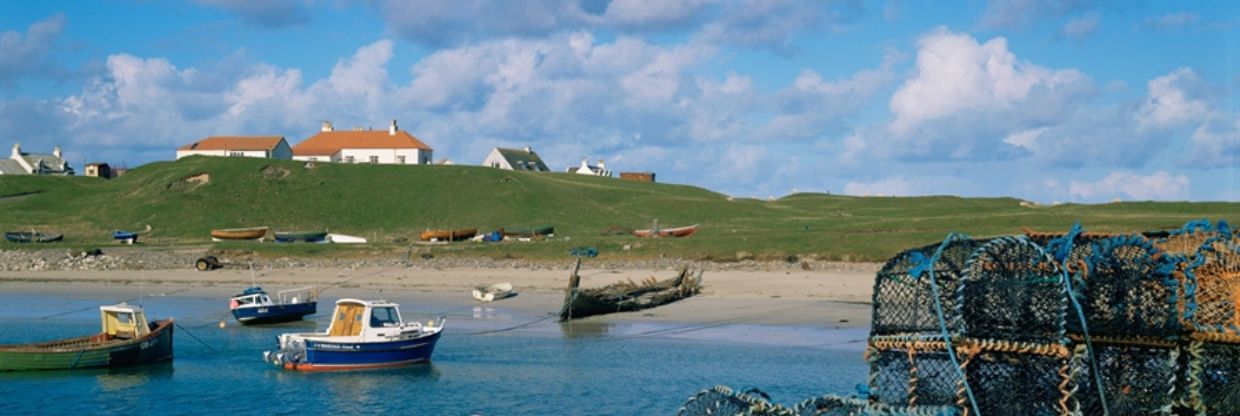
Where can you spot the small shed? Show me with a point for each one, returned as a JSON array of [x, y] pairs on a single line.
[[99, 170]]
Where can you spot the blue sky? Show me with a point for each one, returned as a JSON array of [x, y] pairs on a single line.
[[1047, 100]]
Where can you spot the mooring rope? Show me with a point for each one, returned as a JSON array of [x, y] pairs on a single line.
[[938, 309], [195, 337], [1065, 251]]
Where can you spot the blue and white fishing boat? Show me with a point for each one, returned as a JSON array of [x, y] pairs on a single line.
[[254, 306], [363, 334]]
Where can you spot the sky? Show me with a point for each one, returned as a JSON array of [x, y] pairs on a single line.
[[1045, 100]]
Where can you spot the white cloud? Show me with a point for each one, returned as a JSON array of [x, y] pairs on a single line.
[[654, 13], [1171, 21], [1080, 27], [1174, 100], [29, 55], [1159, 185], [1216, 143]]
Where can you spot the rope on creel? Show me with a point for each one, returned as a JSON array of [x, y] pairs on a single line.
[[938, 309]]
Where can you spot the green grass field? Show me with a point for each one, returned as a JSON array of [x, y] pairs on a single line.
[[184, 200]]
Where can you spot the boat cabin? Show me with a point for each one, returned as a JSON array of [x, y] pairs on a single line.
[[123, 321], [252, 296], [368, 320]]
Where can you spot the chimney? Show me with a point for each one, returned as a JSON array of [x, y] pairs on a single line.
[[529, 150], [602, 166], [392, 129], [17, 150], [327, 126], [56, 152]]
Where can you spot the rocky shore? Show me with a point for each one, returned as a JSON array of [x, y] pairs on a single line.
[[161, 259]]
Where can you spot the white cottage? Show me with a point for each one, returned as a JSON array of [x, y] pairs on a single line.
[[23, 163], [587, 169], [515, 159], [391, 147], [270, 147]]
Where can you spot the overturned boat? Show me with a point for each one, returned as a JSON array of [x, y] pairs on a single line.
[[626, 296], [493, 292]]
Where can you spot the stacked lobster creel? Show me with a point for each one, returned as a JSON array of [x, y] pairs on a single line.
[[1209, 276], [1003, 306]]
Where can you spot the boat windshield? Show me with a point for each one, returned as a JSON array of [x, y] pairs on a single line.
[[384, 316]]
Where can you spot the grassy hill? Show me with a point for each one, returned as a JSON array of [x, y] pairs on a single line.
[[184, 200]]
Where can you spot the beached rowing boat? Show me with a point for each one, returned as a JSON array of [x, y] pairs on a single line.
[[126, 339], [32, 237], [627, 295], [253, 233], [301, 236], [448, 235], [493, 292], [667, 232]]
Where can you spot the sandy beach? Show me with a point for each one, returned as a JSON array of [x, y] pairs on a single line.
[[837, 297]]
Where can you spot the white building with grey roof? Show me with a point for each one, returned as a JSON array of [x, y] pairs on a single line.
[[23, 163]]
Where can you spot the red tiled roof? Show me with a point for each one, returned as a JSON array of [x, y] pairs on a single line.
[[235, 143], [330, 142]]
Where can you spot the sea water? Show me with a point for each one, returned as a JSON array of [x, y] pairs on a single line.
[[490, 361]]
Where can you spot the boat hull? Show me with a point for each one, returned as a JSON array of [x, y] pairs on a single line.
[[306, 237], [239, 233], [152, 348], [271, 314], [337, 356], [448, 235], [345, 239], [35, 237], [667, 232]]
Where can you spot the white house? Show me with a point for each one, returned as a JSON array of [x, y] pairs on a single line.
[[391, 147], [271, 147], [587, 169], [515, 159], [22, 163]]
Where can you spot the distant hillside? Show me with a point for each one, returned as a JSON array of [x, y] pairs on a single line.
[[184, 200]]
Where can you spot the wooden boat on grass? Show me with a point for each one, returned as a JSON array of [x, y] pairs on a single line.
[[627, 296], [253, 306], [301, 237], [126, 339], [32, 237], [448, 235], [253, 233], [363, 334], [493, 292], [544, 230], [667, 232]]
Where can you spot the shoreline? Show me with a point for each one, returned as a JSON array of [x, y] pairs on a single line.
[[788, 297]]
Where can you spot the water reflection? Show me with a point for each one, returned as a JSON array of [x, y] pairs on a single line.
[[117, 379], [579, 329]]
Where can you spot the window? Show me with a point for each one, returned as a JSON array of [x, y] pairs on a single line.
[[348, 159], [400, 159], [374, 160], [381, 317], [236, 154]]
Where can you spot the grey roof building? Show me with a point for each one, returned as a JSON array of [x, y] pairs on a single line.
[[515, 159], [23, 163]]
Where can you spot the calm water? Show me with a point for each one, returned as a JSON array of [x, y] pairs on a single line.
[[539, 368]]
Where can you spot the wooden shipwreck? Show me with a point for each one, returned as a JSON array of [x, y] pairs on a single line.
[[626, 296]]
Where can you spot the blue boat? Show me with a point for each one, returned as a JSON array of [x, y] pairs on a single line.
[[254, 306], [363, 334], [126, 237]]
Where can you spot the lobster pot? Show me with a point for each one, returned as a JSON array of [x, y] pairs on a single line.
[[902, 374], [1212, 286], [1010, 383], [1187, 243], [1211, 382], [721, 400], [903, 299], [1126, 290], [1137, 379], [831, 405], [1013, 291]]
